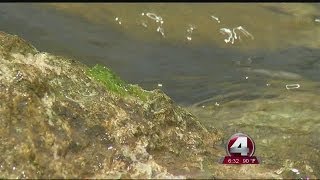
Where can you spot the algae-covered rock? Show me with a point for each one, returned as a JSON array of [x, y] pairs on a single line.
[[61, 119]]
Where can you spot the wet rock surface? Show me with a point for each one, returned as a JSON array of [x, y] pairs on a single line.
[[59, 122]]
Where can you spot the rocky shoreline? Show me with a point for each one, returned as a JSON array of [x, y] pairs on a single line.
[[62, 119]]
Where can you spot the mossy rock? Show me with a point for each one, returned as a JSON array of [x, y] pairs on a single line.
[[114, 84], [61, 119]]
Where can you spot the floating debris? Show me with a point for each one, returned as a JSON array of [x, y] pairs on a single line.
[[247, 77], [118, 20], [190, 31], [144, 24], [279, 171], [161, 30], [159, 85], [215, 18], [191, 28], [216, 104], [292, 86], [241, 29], [295, 171], [232, 35], [229, 33], [157, 19], [317, 20]]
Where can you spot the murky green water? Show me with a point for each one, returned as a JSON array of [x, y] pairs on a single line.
[[272, 26], [239, 86]]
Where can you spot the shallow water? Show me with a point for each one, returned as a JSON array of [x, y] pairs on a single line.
[[283, 123], [279, 47]]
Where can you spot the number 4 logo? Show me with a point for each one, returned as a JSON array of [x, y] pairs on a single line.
[[240, 146]]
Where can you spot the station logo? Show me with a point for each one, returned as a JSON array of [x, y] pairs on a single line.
[[240, 149]]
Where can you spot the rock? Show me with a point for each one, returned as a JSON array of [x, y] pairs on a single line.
[[61, 119]]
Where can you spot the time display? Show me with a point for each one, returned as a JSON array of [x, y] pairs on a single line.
[[240, 160]]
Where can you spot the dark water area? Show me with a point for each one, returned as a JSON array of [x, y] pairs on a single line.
[[188, 73], [145, 63]]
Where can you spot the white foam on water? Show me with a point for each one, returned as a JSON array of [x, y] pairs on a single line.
[[215, 18], [232, 35]]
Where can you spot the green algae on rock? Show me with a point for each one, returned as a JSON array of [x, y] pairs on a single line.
[[61, 119], [113, 83]]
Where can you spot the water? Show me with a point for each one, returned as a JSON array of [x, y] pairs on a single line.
[[189, 56]]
